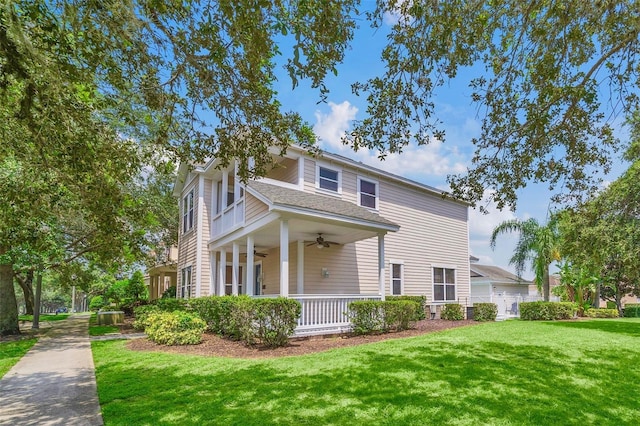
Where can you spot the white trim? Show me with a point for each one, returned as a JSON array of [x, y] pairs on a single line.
[[445, 284], [333, 168], [300, 270], [335, 217], [359, 179], [284, 258], [199, 235], [222, 272], [241, 232], [381, 272]]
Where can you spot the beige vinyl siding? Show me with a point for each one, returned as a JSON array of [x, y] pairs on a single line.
[[187, 245], [309, 175], [285, 171], [349, 186], [254, 208], [205, 277]]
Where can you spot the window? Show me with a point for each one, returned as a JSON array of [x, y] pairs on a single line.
[[187, 212], [185, 283], [396, 278], [368, 193], [444, 284], [328, 179]]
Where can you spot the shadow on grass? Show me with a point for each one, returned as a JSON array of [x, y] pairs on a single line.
[[627, 326], [411, 382]]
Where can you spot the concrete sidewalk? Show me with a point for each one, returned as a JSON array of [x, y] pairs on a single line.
[[54, 383]]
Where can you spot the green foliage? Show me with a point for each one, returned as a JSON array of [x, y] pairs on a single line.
[[175, 328], [171, 304], [366, 316], [400, 314], [420, 300], [142, 314], [97, 303], [452, 312], [632, 310], [375, 316], [101, 330], [547, 310], [602, 313], [485, 311], [170, 293], [275, 320]]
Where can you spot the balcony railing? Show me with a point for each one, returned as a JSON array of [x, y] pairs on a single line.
[[230, 218]]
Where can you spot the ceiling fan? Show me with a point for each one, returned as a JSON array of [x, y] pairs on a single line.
[[255, 253], [320, 242]]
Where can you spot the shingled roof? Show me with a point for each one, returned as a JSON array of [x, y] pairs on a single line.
[[292, 198], [494, 273]]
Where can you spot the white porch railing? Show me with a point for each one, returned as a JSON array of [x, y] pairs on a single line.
[[322, 314], [228, 219]]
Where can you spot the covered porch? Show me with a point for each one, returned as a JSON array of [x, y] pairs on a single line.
[[321, 251]]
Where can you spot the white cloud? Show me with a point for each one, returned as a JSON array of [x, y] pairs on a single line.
[[394, 16], [434, 159], [482, 225]]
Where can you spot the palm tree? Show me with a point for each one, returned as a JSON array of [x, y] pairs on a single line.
[[537, 243]]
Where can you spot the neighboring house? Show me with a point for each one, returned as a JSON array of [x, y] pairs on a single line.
[[163, 274], [495, 285], [324, 230]]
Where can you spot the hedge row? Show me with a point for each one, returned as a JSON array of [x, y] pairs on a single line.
[[632, 310], [375, 316], [452, 312], [485, 311], [547, 310], [601, 313], [270, 321], [420, 300]]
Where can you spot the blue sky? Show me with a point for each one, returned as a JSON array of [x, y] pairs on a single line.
[[429, 164]]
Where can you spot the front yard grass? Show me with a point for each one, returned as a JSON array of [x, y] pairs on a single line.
[[11, 352], [45, 317], [507, 373]]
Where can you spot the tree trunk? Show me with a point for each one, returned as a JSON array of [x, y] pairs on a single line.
[[546, 284], [27, 288], [8, 304], [36, 311]]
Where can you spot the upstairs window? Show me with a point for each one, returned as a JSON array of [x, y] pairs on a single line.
[[187, 212], [444, 284], [368, 193], [328, 179]]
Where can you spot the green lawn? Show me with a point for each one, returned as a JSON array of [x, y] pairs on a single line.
[[507, 373], [45, 317], [11, 352]]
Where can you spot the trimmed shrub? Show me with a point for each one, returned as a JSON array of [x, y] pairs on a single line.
[[239, 324], [141, 314], [420, 313], [632, 310], [275, 319], [175, 328], [170, 305], [366, 316], [399, 314], [208, 309], [485, 311], [601, 313], [170, 293], [452, 312], [534, 311]]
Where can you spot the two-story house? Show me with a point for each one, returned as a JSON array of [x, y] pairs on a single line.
[[324, 230]]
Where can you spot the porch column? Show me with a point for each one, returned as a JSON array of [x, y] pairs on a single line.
[[222, 272], [159, 285], [225, 191], [235, 268], [284, 258], [249, 285], [300, 274], [212, 273], [381, 273]]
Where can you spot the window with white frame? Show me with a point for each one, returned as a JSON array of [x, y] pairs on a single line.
[[185, 283], [328, 178], [368, 193], [397, 284], [444, 284], [187, 212]]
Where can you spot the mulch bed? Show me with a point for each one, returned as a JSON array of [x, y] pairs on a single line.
[[213, 345]]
